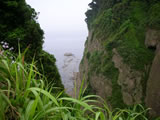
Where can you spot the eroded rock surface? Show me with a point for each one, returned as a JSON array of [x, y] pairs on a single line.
[[97, 82], [153, 85], [121, 60], [129, 80]]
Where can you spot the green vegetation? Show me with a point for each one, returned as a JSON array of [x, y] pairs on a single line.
[[94, 61], [122, 24], [46, 65], [88, 55], [24, 95], [30, 85], [101, 63], [154, 16], [18, 25]]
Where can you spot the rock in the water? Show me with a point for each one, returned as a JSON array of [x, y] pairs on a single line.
[[68, 54]]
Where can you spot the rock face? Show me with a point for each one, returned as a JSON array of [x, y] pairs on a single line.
[[153, 85], [97, 82], [68, 54], [121, 60], [152, 38], [129, 80]]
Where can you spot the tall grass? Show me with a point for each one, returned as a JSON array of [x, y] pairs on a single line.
[[25, 96]]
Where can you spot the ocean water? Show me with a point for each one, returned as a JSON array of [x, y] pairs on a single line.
[[65, 32], [67, 65]]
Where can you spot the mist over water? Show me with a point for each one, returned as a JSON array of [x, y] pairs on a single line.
[[65, 32], [67, 65]]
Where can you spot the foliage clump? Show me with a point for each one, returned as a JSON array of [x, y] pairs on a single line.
[[122, 25], [25, 96], [18, 25]]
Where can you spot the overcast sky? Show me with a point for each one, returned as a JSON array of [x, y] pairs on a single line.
[[61, 16], [65, 31], [63, 24]]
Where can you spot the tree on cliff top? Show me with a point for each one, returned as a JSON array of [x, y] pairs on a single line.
[[18, 25]]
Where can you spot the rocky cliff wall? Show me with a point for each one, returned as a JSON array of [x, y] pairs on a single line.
[[153, 84], [121, 61]]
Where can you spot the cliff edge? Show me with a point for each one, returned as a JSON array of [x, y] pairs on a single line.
[[121, 60]]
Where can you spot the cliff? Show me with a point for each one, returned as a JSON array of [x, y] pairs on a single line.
[[121, 60]]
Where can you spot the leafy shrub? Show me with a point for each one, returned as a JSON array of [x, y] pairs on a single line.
[[154, 16], [24, 97], [47, 66]]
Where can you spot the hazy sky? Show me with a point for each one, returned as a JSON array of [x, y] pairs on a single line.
[[65, 31], [61, 16], [63, 24]]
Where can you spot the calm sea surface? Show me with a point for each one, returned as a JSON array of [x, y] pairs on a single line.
[[67, 65], [65, 32]]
